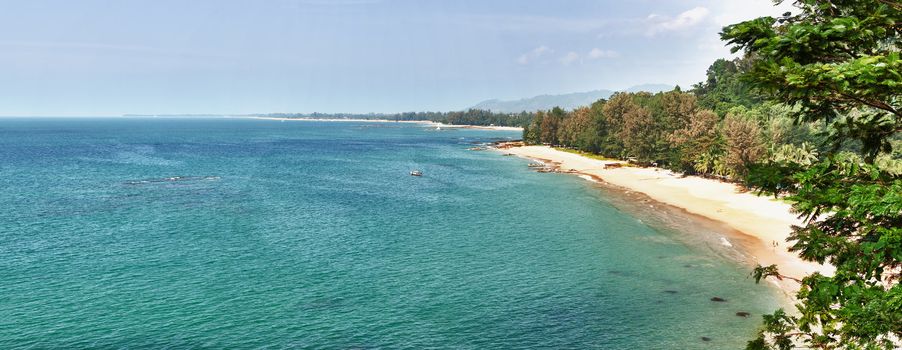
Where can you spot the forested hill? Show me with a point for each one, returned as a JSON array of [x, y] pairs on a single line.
[[565, 101]]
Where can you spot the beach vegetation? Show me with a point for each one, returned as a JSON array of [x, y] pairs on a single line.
[[471, 116], [810, 113], [835, 63]]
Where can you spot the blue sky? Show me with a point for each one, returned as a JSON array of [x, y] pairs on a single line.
[[214, 56]]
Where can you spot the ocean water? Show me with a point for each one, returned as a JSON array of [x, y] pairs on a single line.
[[241, 233]]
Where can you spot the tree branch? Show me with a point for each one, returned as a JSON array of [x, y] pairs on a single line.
[[878, 105], [781, 277]]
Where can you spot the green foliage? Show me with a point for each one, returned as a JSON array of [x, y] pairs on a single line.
[[855, 224], [670, 130], [777, 328], [578, 130], [468, 117], [639, 135], [762, 272], [837, 62], [704, 163], [744, 144], [832, 59], [532, 133], [723, 89], [482, 117], [696, 142], [803, 155]]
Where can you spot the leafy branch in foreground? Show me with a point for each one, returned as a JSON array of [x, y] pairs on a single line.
[[837, 62], [763, 272]]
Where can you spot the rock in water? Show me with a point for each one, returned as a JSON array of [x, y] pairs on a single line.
[[718, 299], [706, 339], [743, 314]]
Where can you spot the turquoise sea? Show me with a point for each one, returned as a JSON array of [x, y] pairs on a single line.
[[242, 233]]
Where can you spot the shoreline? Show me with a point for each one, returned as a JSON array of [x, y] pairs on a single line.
[[757, 222], [336, 120], [426, 122], [481, 127]]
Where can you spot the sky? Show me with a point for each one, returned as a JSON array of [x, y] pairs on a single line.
[[101, 58]]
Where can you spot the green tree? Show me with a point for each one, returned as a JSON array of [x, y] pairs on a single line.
[[577, 129], [532, 133], [596, 137], [613, 111], [697, 139], [723, 89], [780, 127], [836, 61], [743, 143], [639, 134], [550, 125], [677, 109]]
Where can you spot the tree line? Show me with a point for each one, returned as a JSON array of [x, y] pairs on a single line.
[[719, 128], [813, 112], [467, 117]]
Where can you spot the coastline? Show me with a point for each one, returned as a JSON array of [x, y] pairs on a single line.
[[763, 222], [483, 127], [425, 122], [337, 120]]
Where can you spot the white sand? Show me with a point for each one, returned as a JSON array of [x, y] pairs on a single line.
[[763, 218]]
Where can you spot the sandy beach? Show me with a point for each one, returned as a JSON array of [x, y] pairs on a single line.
[[762, 218]]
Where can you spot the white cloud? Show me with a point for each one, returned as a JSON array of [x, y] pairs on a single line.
[[534, 54], [734, 11], [570, 58], [541, 50], [597, 53], [727, 12], [686, 19]]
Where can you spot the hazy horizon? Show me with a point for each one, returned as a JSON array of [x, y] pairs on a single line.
[[353, 56], [258, 113]]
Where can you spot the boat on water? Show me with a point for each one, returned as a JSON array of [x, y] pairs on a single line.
[[416, 173]]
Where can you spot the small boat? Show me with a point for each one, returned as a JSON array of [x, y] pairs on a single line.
[[416, 173]]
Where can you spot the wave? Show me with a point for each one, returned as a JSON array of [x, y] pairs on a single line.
[[171, 179]]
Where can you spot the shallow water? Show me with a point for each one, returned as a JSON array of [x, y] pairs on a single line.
[[239, 233]]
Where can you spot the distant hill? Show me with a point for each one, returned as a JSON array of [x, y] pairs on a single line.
[[565, 101]]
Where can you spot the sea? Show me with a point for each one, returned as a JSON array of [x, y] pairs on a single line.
[[232, 233]]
